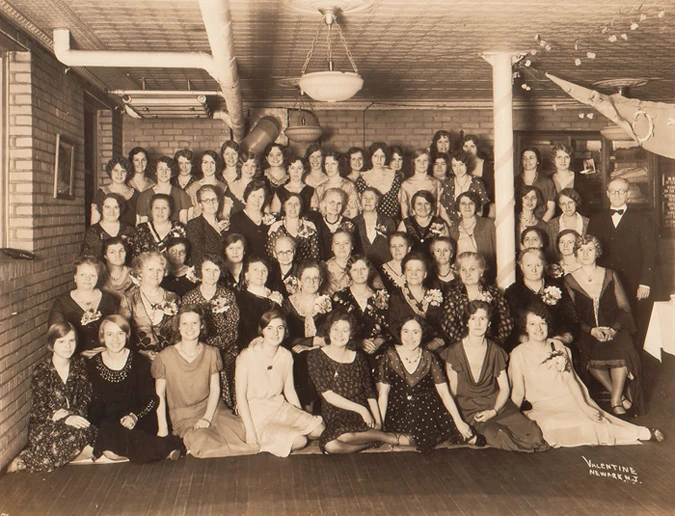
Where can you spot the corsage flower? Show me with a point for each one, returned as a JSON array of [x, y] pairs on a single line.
[[551, 295], [219, 305], [90, 316]]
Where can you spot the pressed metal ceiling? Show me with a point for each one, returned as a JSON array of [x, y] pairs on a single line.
[[407, 51]]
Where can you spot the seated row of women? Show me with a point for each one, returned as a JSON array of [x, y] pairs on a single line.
[[106, 407]]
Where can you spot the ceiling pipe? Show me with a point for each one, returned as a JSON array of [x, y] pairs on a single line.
[[218, 24], [221, 65]]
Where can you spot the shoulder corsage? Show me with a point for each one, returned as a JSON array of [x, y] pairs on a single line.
[[559, 361], [433, 297], [90, 316], [292, 284], [219, 305], [381, 299], [276, 297], [551, 295], [322, 305]]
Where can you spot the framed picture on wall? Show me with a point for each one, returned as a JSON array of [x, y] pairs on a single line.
[[64, 169]]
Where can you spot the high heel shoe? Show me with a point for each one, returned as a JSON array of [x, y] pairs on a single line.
[[657, 435]]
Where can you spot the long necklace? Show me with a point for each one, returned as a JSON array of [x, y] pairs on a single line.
[[414, 359], [589, 277], [463, 187]]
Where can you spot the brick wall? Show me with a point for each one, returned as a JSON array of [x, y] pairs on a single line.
[[110, 140], [43, 101], [411, 128]]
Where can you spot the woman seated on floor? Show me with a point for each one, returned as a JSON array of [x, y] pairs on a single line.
[[414, 398], [266, 399], [342, 376], [187, 381], [476, 369], [58, 429], [541, 370], [125, 403]]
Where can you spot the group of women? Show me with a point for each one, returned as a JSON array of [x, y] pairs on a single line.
[[228, 310]]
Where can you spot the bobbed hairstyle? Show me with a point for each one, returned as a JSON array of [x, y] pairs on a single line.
[[375, 146], [92, 261], [121, 202], [214, 258], [162, 197], [139, 261], [560, 147], [169, 162], [537, 308], [399, 234], [122, 162], [588, 239], [572, 194], [216, 158], [372, 271], [118, 320], [229, 144], [268, 317], [114, 241], [472, 307], [415, 256], [472, 196], [335, 317], [58, 330], [185, 153], [525, 190], [543, 236], [427, 196]]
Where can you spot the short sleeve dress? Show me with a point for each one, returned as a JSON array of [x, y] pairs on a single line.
[[351, 381], [509, 429], [415, 407], [277, 422], [187, 394]]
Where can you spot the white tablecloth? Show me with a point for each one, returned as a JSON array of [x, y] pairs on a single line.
[[661, 331]]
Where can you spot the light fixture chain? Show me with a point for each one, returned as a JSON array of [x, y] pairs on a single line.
[[313, 47], [330, 48], [344, 43]]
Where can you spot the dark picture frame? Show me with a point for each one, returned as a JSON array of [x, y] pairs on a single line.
[[64, 169]]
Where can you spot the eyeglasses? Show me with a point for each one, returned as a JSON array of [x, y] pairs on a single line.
[[617, 192], [285, 253], [209, 201]]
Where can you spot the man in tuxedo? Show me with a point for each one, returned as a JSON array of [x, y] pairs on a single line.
[[629, 248]]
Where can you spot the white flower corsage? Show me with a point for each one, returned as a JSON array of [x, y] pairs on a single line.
[[268, 219], [555, 271], [190, 275], [292, 284], [276, 297], [322, 305], [437, 229], [219, 305], [169, 308], [379, 228], [134, 279], [381, 299], [485, 296], [551, 295], [90, 316], [433, 297], [559, 361], [305, 232]]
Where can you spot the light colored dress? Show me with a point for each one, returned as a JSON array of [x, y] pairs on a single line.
[[555, 409], [277, 422], [187, 394]]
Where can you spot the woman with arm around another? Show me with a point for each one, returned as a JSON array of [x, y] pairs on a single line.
[[541, 370], [383, 179], [530, 159], [125, 402], [58, 429], [476, 369], [414, 398], [187, 382], [119, 171], [184, 159], [266, 399], [210, 166], [342, 376], [568, 200], [165, 169], [110, 226]]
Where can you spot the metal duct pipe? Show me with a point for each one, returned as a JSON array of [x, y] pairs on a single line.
[[221, 65], [218, 24], [265, 132]]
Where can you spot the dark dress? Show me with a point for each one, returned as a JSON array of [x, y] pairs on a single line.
[[421, 237], [52, 444], [377, 250], [95, 237], [557, 302], [325, 234], [414, 406], [509, 429], [306, 194], [203, 239], [179, 201], [286, 284], [306, 241], [146, 335], [179, 285], [146, 238], [612, 310], [117, 393], [402, 306], [66, 309], [129, 213], [456, 299], [302, 328], [351, 381], [221, 319], [255, 235], [253, 306]]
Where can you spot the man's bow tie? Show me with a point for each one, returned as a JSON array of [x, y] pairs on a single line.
[[620, 212]]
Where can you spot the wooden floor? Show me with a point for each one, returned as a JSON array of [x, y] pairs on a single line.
[[459, 481]]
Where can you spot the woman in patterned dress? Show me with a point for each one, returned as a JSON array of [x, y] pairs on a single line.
[[266, 399], [423, 226], [391, 272], [416, 299], [295, 225], [58, 429], [155, 233], [414, 398], [150, 309], [383, 179], [110, 225], [124, 401], [471, 267], [367, 305], [221, 319], [462, 162], [349, 407], [184, 159]]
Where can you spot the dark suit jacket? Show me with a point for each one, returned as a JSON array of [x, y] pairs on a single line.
[[629, 249]]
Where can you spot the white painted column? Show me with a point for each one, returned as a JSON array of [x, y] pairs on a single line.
[[502, 83]]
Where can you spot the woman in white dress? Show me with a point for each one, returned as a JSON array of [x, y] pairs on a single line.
[[541, 371], [266, 398]]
